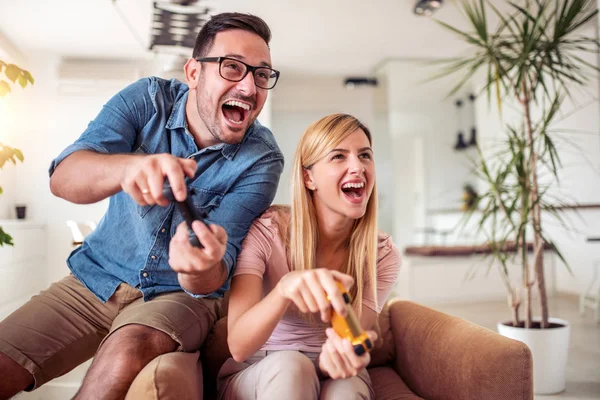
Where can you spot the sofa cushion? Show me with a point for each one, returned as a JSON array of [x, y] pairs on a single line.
[[215, 352], [389, 386], [384, 351], [171, 376]]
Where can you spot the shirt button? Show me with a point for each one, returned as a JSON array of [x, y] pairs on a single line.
[[163, 230], [153, 257], [145, 274]]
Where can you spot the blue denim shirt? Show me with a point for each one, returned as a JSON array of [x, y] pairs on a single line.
[[234, 184]]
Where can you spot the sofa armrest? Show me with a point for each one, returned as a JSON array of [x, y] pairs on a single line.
[[444, 357]]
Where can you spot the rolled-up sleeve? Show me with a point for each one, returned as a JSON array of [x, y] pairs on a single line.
[[115, 128]]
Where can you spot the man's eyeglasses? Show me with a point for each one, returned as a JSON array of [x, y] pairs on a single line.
[[235, 70]]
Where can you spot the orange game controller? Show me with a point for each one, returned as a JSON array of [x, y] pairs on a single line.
[[348, 327]]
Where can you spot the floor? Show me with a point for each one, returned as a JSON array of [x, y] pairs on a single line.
[[583, 369]]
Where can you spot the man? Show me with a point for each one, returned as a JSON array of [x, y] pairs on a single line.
[[124, 297]]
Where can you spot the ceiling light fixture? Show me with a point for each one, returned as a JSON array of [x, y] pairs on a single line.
[[427, 7], [175, 25]]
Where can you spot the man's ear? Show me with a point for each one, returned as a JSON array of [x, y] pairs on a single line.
[[309, 181], [192, 72]]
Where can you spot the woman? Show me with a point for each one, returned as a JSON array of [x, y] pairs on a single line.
[[288, 266]]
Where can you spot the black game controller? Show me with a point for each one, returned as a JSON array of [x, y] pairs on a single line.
[[187, 209]]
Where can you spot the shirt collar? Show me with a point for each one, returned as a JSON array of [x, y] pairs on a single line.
[[177, 118], [230, 150]]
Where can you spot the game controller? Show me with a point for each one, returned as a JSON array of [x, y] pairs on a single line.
[[348, 327], [188, 211]]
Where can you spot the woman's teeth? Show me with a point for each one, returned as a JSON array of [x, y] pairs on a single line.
[[353, 185]]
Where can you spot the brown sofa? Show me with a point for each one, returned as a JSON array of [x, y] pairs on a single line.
[[425, 354]]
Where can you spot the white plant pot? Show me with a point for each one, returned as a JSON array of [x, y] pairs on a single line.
[[549, 348]]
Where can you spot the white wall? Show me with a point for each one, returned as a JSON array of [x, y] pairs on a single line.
[[8, 172], [423, 123], [7, 199], [384, 159], [266, 115]]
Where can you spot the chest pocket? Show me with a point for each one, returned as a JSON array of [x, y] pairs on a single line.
[[204, 201]]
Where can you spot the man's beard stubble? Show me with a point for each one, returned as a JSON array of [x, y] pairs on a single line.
[[212, 122]]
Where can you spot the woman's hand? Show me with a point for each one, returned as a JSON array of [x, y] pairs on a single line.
[[309, 290], [337, 358]]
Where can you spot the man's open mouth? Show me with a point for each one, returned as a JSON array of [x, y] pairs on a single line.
[[354, 191], [235, 111]]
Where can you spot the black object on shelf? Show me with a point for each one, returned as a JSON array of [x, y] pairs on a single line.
[[460, 138], [427, 7], [473, 140], [460, 142], [21, 212]]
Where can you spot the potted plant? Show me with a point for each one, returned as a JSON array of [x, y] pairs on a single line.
[[18, 75], [532, 60]]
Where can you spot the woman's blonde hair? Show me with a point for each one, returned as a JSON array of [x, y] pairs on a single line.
[[317, 141]]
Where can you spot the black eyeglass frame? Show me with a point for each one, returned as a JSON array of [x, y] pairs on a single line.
[[248, 69]]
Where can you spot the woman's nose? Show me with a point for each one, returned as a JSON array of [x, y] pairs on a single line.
[[356, 167]]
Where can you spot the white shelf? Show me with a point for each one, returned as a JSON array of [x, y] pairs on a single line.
[[22, 223]]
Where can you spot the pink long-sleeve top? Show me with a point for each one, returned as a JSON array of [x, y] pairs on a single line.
[[263, 254]]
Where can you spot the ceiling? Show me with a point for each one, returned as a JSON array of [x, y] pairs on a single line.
[[309, 36]]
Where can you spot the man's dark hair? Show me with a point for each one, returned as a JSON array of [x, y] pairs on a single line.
[[226, 21]]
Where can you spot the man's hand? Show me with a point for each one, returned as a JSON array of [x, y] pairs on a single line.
[[338, 360], [199, 269], [144, 177]]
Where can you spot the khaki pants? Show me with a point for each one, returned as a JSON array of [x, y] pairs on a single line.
[[65, 325], [288, 375]]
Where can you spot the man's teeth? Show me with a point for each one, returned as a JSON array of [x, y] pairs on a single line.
[[353, 185], [238, 104]]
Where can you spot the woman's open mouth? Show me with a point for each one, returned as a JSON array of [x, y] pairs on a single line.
[[236, 112], [354, 191]]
